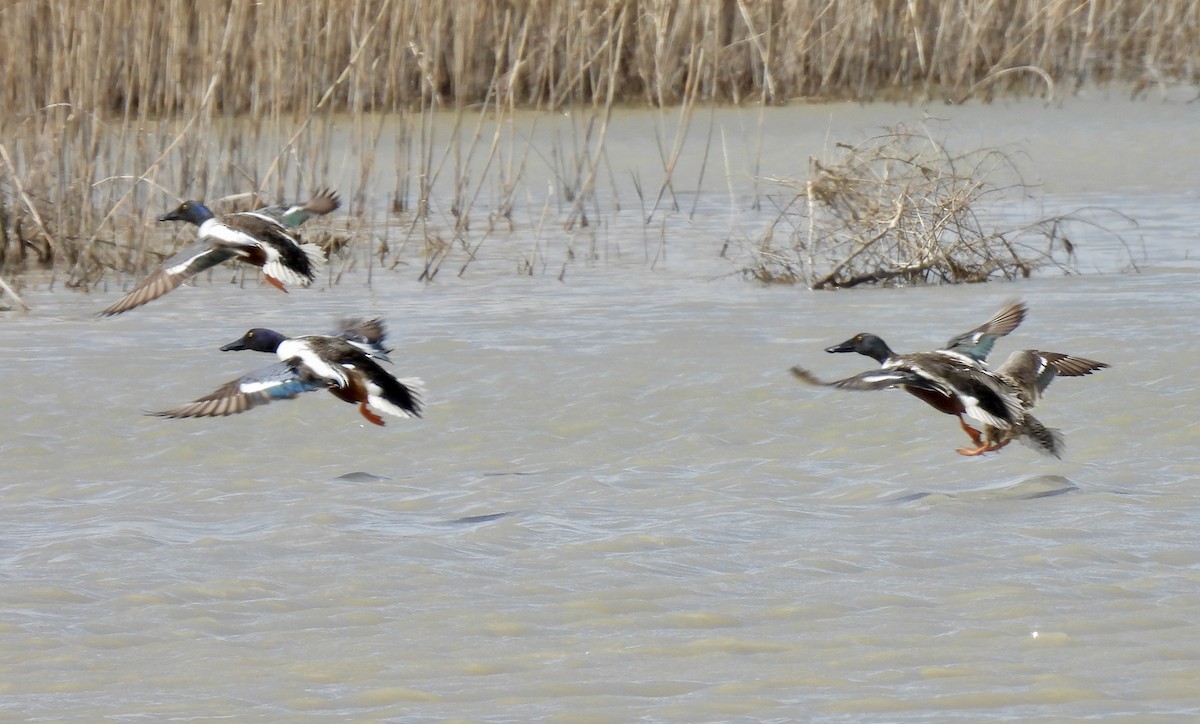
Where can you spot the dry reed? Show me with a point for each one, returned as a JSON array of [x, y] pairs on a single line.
[[116, 57], [110, 108], [901, 208]]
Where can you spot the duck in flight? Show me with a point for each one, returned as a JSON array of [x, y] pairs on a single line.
[[344, 364], [969, 349], [956, 381], [265, 238]]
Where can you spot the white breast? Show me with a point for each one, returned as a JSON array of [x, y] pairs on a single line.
[[300, 349], [215, 230]]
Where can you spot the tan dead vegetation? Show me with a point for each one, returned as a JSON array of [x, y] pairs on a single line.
[[900, 208], [112, 109]]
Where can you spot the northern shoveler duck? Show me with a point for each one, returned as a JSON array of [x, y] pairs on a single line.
[[1029, 372], [950, 385], [955, 381], [264, 238], [970, 348], [342, 364]]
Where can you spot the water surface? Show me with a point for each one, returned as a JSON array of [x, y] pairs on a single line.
[[619, 504]]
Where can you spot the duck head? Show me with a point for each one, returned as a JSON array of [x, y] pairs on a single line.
[[865, 344], [258, 340], [192, 212]]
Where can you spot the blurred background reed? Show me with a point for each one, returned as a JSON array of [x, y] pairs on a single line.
[[111, 108]]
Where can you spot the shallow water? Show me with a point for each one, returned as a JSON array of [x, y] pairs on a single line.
[[619, 504]]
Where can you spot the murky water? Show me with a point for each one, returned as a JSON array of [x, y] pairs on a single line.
[[619, 505]]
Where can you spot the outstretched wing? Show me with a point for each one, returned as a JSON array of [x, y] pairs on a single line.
[[983, 395], [977, 344], [1070, 365], [880, 379], [279, 381], [178, 269], [323, 202], [368, 335], [1031, 371]]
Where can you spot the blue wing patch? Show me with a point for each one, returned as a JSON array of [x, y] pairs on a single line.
[[279, 381]]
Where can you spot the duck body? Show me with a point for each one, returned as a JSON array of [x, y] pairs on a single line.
[[267, 240], [339, 364], [257, 240]]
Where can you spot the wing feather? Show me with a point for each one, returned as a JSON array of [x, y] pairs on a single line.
[[369, 335], [976, 345], [174, 272], [1071, 366], [880, 379], [279, 381]]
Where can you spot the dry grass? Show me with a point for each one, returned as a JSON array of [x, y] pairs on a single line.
[[901, 208], [116, 57], [110, 109]]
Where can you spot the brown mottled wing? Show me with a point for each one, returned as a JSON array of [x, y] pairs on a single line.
[[368, 331], [1044, 439], [323, 202], [1004, 321], [1030, 371], [1071, 366]]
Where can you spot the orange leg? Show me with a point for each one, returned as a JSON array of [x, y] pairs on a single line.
[[276, 283], [971, 432], [371, 416], [981, 447]]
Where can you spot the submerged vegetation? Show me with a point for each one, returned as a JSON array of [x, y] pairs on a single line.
[[109, 113], [901, 208]]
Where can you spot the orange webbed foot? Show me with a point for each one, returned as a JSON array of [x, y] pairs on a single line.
[[371, 416], [972, 452], [980, 449], [276, 283]]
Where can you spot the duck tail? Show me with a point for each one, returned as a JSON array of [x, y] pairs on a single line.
[[399, 397], [315, 254], [1044, 439]]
